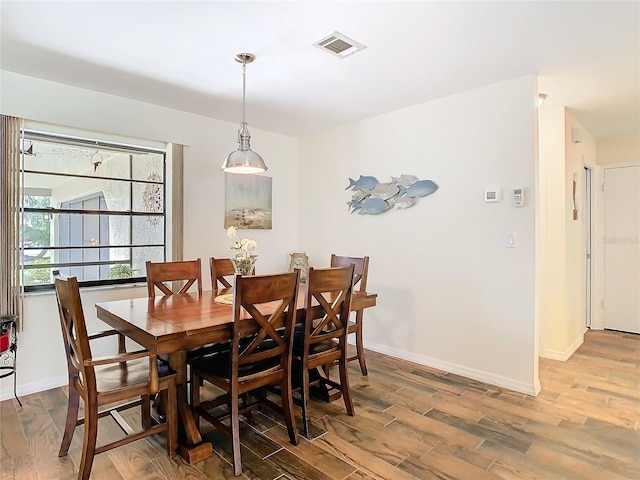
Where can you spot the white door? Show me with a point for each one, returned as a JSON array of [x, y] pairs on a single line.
[[622, 248]]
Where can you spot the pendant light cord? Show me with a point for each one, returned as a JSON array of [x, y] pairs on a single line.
[[244, 87]]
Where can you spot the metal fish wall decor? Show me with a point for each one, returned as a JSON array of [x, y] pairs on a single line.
[[371, 197]]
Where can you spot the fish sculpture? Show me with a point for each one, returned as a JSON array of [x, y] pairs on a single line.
[[421, 188], [360, 195], [354, 205], [385, 191], [402, 202], [363, 183], [371, 197], [372, 206], [404, 180]]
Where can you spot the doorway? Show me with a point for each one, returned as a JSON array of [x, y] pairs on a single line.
[[622, 248]]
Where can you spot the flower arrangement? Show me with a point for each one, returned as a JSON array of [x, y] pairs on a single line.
[[243, 259]]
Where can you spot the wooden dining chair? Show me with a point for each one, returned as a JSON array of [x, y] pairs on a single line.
[[220, 269], [187, 271], [107, 380], [360, 281], [264, 312], [322, 342]]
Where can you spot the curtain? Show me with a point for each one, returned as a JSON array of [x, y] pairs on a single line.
[[10, 142], [175, 182]]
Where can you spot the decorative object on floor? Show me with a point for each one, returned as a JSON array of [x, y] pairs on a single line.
[[9, 349], [244, 160], [248, 200], [301, 261], [243, 260], [371, 197]]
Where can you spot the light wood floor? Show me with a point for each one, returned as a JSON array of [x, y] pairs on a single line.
[[411, 422]]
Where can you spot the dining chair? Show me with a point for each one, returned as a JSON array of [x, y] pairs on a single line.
[[107, 380], [264, 312], [188, 271], [221, 268], [360, 281], [322, 342]]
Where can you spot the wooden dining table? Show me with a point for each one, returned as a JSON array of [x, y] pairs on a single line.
[[175, 324]]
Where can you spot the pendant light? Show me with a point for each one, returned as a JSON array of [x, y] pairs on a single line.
[[244, 160]]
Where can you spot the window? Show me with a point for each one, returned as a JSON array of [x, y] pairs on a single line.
[[90, 209]]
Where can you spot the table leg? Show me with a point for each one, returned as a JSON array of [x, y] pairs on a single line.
[[191, 447]]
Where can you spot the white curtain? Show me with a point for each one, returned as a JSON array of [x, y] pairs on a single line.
[[10, 142]]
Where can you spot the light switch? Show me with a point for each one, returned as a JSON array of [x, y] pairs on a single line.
[[511, 240]]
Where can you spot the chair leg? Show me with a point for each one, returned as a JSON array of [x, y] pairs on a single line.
[[89, 441], [172, 419], [234, 423], [359, 345], [344, 385], [287, 409], [304, 397], [145, 407], [72, 418]]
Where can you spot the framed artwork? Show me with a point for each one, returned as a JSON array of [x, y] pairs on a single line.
[[248, 201]]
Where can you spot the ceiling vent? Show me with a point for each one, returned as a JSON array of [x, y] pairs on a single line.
[[339, 45]]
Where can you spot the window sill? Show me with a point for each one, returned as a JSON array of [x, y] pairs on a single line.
[[92, 289]]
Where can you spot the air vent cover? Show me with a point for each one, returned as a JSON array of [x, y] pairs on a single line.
[[339, 45]]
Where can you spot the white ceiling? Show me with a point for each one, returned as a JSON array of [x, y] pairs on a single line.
[[181, 54]]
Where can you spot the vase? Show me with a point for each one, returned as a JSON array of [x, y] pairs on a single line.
[[301, 261], [244, 266]]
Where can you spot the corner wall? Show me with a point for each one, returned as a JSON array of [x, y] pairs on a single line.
[[450, 294], [565, 148]]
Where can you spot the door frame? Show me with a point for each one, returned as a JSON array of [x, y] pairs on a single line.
[[597, 244], [587, 202]]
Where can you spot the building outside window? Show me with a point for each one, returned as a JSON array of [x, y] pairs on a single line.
[[90, 209]]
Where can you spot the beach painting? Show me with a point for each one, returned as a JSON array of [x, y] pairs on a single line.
[[247, 201]]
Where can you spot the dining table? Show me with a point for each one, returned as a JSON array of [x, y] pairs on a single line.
[[174, 324]]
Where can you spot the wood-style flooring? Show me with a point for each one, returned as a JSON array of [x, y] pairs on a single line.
[[411, 422]]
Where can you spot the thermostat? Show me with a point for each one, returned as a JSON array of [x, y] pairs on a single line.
[[491, 196], [518, 197]]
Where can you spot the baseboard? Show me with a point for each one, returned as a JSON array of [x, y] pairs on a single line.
[[565, 354], [27, 389], [480, 375]]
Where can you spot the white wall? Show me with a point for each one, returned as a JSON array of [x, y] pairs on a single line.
[[450, 294], [618, 149], [551, 260], [208, 141]]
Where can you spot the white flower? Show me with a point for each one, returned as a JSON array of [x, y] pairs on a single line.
[[243, 247], [248, 245]]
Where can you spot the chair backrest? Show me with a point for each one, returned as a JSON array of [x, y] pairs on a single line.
[[328, 289], [74, 330], [361, 269], [189, 271], [221, 268], [270, 301]]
